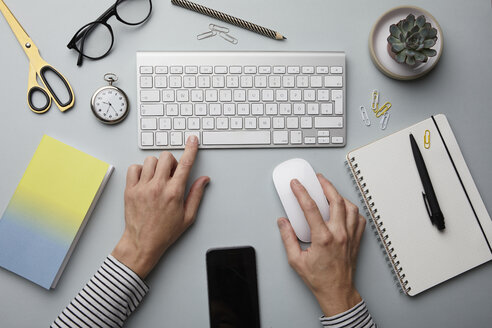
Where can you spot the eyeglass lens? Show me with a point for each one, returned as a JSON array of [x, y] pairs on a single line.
[[96, 41], [133, 11]]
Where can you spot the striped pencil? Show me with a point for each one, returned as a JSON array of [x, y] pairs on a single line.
[[228, 18]]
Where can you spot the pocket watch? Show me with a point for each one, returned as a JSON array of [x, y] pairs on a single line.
[[109, 103]]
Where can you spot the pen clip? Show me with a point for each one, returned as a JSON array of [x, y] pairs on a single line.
[[427, 207]]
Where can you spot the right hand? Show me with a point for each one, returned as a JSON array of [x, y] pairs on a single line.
[[328, 265]]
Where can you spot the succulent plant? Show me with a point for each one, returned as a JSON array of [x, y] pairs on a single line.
[[411, 40]]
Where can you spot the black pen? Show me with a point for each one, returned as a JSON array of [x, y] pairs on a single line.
[[430, 199]]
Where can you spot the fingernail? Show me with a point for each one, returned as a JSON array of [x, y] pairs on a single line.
[[192, 140], [206, 182], [281, 223], [296, 182]]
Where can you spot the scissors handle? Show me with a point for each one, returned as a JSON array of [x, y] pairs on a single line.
[[49, 92]]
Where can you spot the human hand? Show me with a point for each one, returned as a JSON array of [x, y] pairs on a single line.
[[328, 265], [156, 211]]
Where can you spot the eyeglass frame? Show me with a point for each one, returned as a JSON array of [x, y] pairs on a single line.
[[103, 19]]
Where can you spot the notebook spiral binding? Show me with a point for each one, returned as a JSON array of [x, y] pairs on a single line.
[[378, 224]]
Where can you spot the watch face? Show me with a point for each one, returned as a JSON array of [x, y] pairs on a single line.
[[110, 104]]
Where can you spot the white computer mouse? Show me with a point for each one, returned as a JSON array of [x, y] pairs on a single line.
[[301, 170]]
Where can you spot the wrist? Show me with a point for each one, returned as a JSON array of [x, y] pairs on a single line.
[[335, 302], [129, 254]]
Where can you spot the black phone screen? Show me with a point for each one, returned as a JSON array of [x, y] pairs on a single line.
[[232, 288]]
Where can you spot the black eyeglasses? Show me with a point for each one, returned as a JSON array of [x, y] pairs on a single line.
[[95, 40]]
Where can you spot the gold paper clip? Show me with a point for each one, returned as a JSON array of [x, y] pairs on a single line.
[[375, 100], [364, 115], [384, 120], [427, 139], [383, 109]]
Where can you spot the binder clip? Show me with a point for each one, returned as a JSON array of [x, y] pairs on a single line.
[[427, 139], [383, 109], [384, 120], [365, 117], [375, 100]]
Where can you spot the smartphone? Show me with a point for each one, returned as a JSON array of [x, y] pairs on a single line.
[[232, 288]]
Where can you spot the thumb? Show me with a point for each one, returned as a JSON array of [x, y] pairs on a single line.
[[194, 198], [289, 239]]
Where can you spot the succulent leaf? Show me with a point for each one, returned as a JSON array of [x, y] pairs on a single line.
[[411, 40]]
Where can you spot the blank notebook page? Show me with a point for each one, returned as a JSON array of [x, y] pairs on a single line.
[[427, 256]]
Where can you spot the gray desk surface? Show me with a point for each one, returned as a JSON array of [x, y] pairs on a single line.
[[240, 206]]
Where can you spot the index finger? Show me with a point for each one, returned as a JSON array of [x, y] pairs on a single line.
[[309, 207], [186, 161]]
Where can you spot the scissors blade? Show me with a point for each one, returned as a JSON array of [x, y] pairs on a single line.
[[16, 27]]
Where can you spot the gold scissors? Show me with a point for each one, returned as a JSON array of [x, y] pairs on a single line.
[[37, 67]]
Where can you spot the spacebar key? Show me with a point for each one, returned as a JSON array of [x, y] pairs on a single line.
[[236, 138]]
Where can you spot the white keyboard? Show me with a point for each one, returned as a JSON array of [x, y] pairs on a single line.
[[241, 99]]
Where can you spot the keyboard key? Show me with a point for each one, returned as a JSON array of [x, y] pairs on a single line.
[[148, 124], [310, 140], [271, 109], [279, 69], [236, 123], [285, 109], [324, 140], [235, 69], [193, 123], [323, 95], [295, 137], [264, 69], [316, 81], [146, 69], [215, 109], [280, 137], [160, 81], [218, 81], [292, 123], [253, 95], [288, 81], [165, 123], [274, 81], [206, 69], [333, 81], [257, 109], [225, 95], [229, 109], [176, 138], [147, 138], [186, 110], [232, 81], [204, 81], [306, 122], [250, 123], [149, 95], [189, 81], [146, 82], [161, 138], [267, 95], [179, 123], [172, 110], [176, 69], [211, 95], [152, 110], [337, 97], [322, 70], [260, 81], [264, 122], [278, 123], [236, 138], [336, 70], [239, 95], [295, 95], [191, 69], [307, 70], [246, 81], [192, 133], [182, 95], [200, 109], [175, 81], [327, 109], [250, 69], [299, 109], [208, 123], [313, 109], [309, 95], [324, 122], [220, 69], [243, 109], [197, 95], [161, 69], [293, 69], [322, 133], [337, 140], [302, 81], [222, 123]]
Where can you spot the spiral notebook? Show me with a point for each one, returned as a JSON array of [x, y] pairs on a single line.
[[386, 174]]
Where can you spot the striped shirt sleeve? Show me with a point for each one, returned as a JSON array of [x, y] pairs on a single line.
[[107, 300], [356, 317]]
